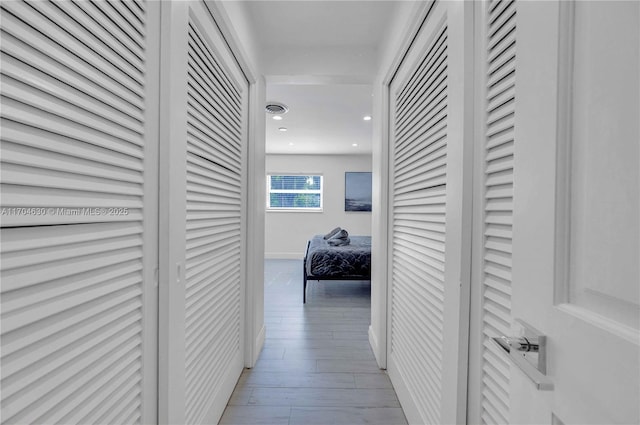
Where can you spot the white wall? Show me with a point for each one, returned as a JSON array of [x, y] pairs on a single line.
[[353, 62], [287, 232]]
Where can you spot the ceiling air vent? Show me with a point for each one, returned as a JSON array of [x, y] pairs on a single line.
[[276, 108]]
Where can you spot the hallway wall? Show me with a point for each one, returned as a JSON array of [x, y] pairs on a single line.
[[286, 232]]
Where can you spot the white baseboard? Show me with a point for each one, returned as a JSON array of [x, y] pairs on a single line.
[[258, 344], [373, 341], [283, 255]]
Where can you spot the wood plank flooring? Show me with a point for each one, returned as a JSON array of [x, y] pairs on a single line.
[[316, 366]]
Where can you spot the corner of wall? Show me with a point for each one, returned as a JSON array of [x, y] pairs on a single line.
[[257, 347], [373, 341]]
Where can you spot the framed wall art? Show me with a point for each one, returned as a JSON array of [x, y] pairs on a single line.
[[357, 191]]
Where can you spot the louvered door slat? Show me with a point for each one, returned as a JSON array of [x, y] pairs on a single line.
[[423, 147], [86, 49], [427, 125], [498, 207], [204, 336], [208, 380], [119, 40], [200, 133], [51, 87], [432, 151], [427, 105], [427, 362], [505, 47], [426, 173], [501, 100], [496, 7], [500, 20], [431, 138], [492, 367], [135, 8], [31, 377], [217, 72], [203, 83], [199, 275], [421, 73], [69, 16], [20, 154], [129, 19], [74, 115], [498, 257], [124, 393], [211, 181], [429, 273], [427, 389], [407, 354], [206, 175], [501, 23], [206, 94], [110, 11], [496, 396], [431, 297], [20, 121], [203, 350], [203, 132], [27, 40]]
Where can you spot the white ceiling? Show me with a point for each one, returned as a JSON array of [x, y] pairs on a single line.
[[312, 23], [319, 58], [322, 119]]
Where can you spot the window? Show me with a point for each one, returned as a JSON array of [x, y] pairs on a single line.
[[299, 192]]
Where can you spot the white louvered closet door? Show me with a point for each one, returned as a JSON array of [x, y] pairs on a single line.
[[79, 225], [214, 146], [215, 215], [492, 371], [427, 351]]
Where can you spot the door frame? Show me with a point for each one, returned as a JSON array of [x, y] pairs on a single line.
[[150, 294]]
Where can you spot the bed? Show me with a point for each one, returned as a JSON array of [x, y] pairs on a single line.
[[325, 262]]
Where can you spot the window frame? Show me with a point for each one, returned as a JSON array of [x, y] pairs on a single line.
[[269, 191]]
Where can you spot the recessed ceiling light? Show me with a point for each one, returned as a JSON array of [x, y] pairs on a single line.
[[290, 143], [283, 129], [277, 117], [355, 145], [367, 118]]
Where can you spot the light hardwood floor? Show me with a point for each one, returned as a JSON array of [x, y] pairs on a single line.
[[316, 366]]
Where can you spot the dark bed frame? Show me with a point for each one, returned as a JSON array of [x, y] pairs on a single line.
[[319, 278]]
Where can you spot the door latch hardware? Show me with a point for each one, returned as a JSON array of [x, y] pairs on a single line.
[[528, 352], [519, 343]]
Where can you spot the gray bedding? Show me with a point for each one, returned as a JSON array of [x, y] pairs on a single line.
[[336, 261]]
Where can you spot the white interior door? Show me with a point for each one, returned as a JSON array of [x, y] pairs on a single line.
[[79, 211], [576, 214], [429, 213], [204, 154]]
